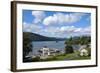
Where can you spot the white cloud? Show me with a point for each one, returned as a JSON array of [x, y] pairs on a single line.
[[83, 30], [87, 29], [73, 29], [63, 31], [39, 15], [31, 27], [52, 29], [67, 29], [61, 18]]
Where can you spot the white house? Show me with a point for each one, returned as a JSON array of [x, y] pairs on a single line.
[[45, 52], [83, 51]]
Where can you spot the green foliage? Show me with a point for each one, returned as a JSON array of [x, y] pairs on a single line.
[[89, 51], [49, 58], [36, 59], [27, 46], [69, 49], [83, 40]]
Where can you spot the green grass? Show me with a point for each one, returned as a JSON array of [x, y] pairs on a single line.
[[66, 57], [63, 57], [72, 56]]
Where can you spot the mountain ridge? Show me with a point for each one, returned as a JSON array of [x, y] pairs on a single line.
[[37, 37]]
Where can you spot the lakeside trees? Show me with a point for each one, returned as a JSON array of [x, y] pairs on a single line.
[[27, 47], [82, 40], [69, 49]]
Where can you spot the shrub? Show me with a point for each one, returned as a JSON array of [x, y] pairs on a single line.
[[36, 59], [69, 49], [89, 51]]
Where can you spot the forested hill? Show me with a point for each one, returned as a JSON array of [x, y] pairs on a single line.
[[37, 37]]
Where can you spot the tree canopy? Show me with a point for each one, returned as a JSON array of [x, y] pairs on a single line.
[[82, 40], [69, 49]]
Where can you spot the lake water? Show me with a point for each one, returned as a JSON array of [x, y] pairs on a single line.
[[50, 44]]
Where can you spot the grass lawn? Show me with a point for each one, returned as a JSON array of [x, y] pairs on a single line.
[[71, 56], [63, 57]]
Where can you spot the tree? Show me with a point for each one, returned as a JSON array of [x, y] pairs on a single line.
[[69, 49], [82, 40], [27, 47], [89, 51]]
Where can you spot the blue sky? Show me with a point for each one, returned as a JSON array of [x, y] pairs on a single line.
[[57, 24]]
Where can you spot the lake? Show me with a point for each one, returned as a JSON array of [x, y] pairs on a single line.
[[50, 44]]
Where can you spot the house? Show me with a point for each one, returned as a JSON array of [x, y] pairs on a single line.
[[83, 51], [45, 52]]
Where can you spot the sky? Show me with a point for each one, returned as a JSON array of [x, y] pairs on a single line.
[[57, 24]]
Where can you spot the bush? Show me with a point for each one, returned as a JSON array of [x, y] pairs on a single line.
[[69, 49], [89, 51], [36, 59]]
